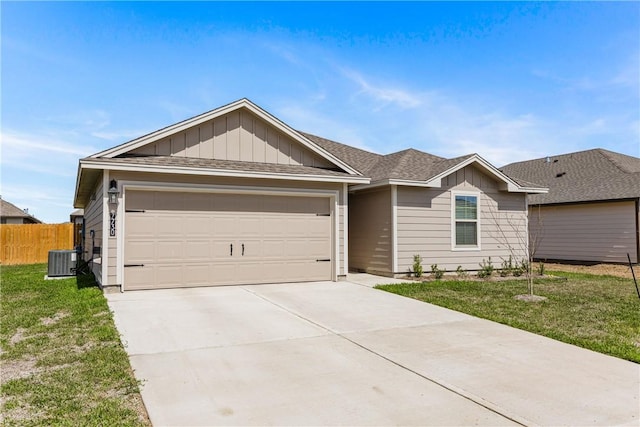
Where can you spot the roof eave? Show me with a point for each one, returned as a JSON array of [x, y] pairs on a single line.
[[87, 164]]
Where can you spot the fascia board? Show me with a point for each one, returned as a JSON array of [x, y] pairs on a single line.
[[87, 164], [401, 182]]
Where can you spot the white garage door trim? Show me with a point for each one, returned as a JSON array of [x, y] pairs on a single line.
[[333, 196]]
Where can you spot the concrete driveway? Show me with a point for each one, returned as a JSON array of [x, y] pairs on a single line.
[[344, 354]]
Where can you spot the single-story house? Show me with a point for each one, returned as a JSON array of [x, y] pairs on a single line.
[[236, 196], [591, 212], [11, 214]]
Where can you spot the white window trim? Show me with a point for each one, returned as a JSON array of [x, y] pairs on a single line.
[[453, 221]]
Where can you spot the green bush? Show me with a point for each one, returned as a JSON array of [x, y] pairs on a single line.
[[436, 272], [417, 265], [486, 268]]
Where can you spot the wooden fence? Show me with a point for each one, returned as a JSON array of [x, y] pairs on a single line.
[[31, 243]]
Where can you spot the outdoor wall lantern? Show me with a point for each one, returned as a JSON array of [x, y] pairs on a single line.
[[113, 192], [113, 203]]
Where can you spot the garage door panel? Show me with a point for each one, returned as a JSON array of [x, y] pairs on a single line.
[[169, 251], [140, 277], [140, 251], [169, 274], [196, 225], [197, 274], [250, 226], [198, 250], [171, 225], [140, 225], [186, 239], [223, 225], [318, 227], [311, 249]]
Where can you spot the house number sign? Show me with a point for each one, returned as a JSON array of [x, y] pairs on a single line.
[[112, 224]]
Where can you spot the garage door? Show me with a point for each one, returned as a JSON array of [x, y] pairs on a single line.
[[201, 239]]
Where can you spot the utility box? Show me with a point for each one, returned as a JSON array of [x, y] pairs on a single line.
[[62, 263]]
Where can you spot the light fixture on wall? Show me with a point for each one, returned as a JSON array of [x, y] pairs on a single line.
[[113, 192]]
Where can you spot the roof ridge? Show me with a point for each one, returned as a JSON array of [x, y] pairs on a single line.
[[607, 154], [306, 134]]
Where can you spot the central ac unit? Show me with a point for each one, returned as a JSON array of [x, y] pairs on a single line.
[[62, 263]]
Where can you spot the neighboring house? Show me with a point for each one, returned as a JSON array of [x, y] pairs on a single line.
[[236, 196], [11, 214], [591, 212]]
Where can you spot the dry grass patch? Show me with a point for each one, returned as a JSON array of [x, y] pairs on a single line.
[[61, 356]]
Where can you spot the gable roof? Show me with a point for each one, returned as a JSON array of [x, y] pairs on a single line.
[[126, 147], [591, 175], [9, 210], [353, 165]]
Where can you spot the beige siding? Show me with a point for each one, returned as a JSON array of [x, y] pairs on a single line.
[[239, 135], [602, 232], [170, 179], [425, 223], [93, 221], [370, 231]]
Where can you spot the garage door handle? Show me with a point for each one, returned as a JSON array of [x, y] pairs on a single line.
[[323, 260], [134, 265], [243, 249], [231, 251]]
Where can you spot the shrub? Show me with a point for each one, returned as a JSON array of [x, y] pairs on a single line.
[[417, 265], [436, 272], [507, 267], [486, 268], [461, 272], [540, 269]]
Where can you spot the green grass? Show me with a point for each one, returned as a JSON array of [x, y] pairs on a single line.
[[62, 359], [601, 313]]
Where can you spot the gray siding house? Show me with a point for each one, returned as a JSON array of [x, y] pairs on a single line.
[[591, 212], [236, 196]]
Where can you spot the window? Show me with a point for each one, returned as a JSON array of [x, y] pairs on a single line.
[[466, 226]]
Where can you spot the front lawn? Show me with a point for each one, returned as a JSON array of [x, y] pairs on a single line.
[[61, 356], [601, 313]]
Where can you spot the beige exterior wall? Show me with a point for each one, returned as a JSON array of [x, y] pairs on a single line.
[[602, 232], [197, 180], [239, 135], [424, 226], [13, 221], [370, 231], [94, 221]]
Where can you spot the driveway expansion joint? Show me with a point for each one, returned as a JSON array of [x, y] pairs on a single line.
[[449, 387]]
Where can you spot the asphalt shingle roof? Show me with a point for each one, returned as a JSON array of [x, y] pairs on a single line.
[[219, 164], [9, 210], [410, 164], [590, 175]]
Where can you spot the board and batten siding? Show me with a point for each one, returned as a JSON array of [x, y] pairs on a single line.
[[239, 135], [93, 221], [597, 232], [370, 231], [199, 180], [424, 217]]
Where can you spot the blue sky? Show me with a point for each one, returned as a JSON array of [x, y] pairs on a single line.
[[510, 81]]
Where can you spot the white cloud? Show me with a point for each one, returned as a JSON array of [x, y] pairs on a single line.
[[381, 95], [17, 144]]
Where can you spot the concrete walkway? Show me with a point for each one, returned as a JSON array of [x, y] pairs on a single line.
[[344, 354]]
